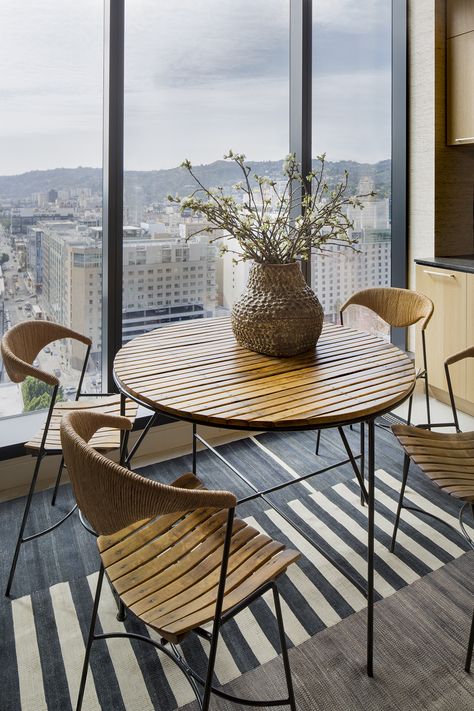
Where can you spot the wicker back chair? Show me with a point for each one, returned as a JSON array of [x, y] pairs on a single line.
[[447, 459], [176, 556], [21, 344], [19, 348], [399, 308], [113, 497]]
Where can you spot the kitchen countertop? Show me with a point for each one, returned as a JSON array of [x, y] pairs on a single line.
[[464, 263]]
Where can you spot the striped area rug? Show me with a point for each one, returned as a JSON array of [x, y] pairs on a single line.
[[49, 627]]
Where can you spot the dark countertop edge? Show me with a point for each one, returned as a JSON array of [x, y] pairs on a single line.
[[458, 264]]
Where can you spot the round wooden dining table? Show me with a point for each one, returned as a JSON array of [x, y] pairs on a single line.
[[197, 372]]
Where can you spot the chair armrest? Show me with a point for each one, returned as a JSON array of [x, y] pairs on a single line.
[[63, 332], [21, 369], [466, 353]]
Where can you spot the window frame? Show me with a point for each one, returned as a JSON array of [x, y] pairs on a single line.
[[300, 143]]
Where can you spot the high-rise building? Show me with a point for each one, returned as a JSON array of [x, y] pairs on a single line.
[[339, 270], [165, 278], [34, 256]]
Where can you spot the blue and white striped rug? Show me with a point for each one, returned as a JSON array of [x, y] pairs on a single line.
[[49, 627]]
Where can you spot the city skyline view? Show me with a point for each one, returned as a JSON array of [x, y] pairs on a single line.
[[184, 97]]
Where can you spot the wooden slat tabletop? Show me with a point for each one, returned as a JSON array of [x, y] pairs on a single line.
[[196, 371]]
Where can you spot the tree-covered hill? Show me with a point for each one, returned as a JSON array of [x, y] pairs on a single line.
[[156, 184]]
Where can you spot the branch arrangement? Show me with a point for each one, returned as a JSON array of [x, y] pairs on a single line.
[[271, 225]]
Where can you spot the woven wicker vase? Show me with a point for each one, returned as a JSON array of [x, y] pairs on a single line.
[[278, 314]]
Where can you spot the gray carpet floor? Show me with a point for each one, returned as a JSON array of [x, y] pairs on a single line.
[[421, 635], [328, 668]]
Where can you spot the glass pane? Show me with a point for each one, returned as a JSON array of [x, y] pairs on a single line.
[[352, 125], [50, 206], [200, 78]]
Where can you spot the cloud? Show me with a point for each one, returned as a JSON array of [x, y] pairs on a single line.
[[352, 16], [352, 116], [201, 76], [206, 42]]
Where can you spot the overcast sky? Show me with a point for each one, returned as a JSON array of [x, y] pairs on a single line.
[[201, 76]]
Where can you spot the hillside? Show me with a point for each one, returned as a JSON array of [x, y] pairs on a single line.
[[156, 184]]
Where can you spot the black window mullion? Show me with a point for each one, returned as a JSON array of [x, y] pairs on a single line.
[[112, 200], [399, 199], [301, 31]]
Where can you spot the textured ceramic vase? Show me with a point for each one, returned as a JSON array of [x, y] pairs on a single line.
[[278, 314]]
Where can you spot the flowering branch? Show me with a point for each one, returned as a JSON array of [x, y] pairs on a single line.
[[275, 236]]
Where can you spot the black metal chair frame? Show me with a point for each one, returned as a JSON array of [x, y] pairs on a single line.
[[422, 374], [193, 678], [125, 458], [417, 509], [42, 452]]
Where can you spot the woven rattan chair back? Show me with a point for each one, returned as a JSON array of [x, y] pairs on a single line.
[[175, 556], [21, 344], [112, 497], [397, 307]]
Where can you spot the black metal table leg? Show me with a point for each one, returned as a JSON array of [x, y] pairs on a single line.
[[194, 447], [362, 457], [370, 547]]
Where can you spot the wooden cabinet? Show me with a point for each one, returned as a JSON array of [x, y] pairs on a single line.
[[460, 89], [459, 17], [459, 74], [446, 331]]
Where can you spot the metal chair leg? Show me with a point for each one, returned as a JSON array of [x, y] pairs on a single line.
[[283, 647], [90, 639], [427, 399], [406, 467], [194, 448], [206, 698], [318, 440], [23, 523], [362, 462], [470, 644], [58, 481], [122, 612], [410, 406]]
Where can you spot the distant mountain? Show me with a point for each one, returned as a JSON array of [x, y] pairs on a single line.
[[21, 186], [156, 184]]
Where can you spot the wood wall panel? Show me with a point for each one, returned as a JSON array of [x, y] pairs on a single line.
[[460, 17], [446, 331]]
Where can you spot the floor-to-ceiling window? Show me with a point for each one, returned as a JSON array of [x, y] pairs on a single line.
[[200, 79], [51, 183], [351, 124]]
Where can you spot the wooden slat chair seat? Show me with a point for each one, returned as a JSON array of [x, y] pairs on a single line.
[[176, 556], [105, 440], [167, 572], [447, 459]]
